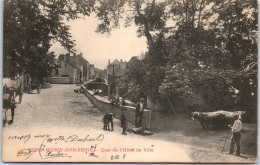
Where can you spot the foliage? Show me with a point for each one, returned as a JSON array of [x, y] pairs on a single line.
[[132, 85], [194, 46], [30, 26]]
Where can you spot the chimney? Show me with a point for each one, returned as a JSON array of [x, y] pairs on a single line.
[[121, 60], [108, 61]]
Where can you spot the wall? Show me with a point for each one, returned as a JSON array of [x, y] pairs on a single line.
[[60, 80], [65, 69], [104, 105]]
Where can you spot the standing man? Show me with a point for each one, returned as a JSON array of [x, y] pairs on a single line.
[[123, 122], [236, 137], [139, 113], [20, 93], [111, 117]]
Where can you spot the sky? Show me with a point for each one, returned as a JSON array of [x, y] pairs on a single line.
[[98, 48]]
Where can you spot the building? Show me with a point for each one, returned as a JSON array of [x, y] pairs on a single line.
[[91, 72], [70, 70], [115, 70], [85, 65], [101, 73]]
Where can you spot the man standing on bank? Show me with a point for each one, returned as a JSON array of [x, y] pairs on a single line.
[[236, 137], [139, 113]]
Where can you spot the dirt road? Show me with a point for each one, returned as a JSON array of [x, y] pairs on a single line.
[[60, 118]]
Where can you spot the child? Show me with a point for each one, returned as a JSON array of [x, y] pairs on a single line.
[[108, 118], [123, 122], [106, 121]]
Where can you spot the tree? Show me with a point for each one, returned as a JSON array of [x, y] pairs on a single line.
[[30, 26], [132, 85], [194, 46], [240, 26], [213, 54], [150, 17]]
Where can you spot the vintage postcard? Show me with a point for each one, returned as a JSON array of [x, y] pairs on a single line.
[[147, 81]]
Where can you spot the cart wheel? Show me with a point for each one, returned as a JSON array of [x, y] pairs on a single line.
[[39, 89]]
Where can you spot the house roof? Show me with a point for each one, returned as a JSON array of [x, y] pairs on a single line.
[[82, 60], [115, 62], [72, 61]]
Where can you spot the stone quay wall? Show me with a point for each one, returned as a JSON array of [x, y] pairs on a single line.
[[105, 106]]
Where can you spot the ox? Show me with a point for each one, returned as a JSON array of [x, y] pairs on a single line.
[[218, 119]]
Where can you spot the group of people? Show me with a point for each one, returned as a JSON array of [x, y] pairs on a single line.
[[108, 118], [96, 92], [118, 100], [236, 127]]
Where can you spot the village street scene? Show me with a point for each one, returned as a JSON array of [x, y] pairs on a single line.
[[130, 81]]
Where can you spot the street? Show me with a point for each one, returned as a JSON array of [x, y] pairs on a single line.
[[177, 80], [63, 114], [57, 106], [58, 110]]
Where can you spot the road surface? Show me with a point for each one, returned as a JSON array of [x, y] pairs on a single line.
[[59, 111], [60, 118]]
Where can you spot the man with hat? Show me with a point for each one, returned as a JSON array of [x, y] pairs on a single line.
[[139, 113], [236, 136]]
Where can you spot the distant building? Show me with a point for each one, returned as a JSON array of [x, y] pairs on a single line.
[[85, 65], [91, 72], [115, 70], [70, 70], [101, 73]]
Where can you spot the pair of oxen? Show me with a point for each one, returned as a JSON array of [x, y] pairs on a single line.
[[217, 119]]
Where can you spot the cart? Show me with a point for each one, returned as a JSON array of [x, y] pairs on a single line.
[[35, 84], [8, 103]]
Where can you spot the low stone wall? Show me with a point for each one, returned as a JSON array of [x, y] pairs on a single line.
[[60, 80], [105, 106]]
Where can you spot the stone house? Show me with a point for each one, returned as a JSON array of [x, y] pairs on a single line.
[[91, 72], [85, 65], [70, 70], [101, 73], [115, 70]]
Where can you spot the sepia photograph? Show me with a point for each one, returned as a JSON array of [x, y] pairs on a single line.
[[130, 81]]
